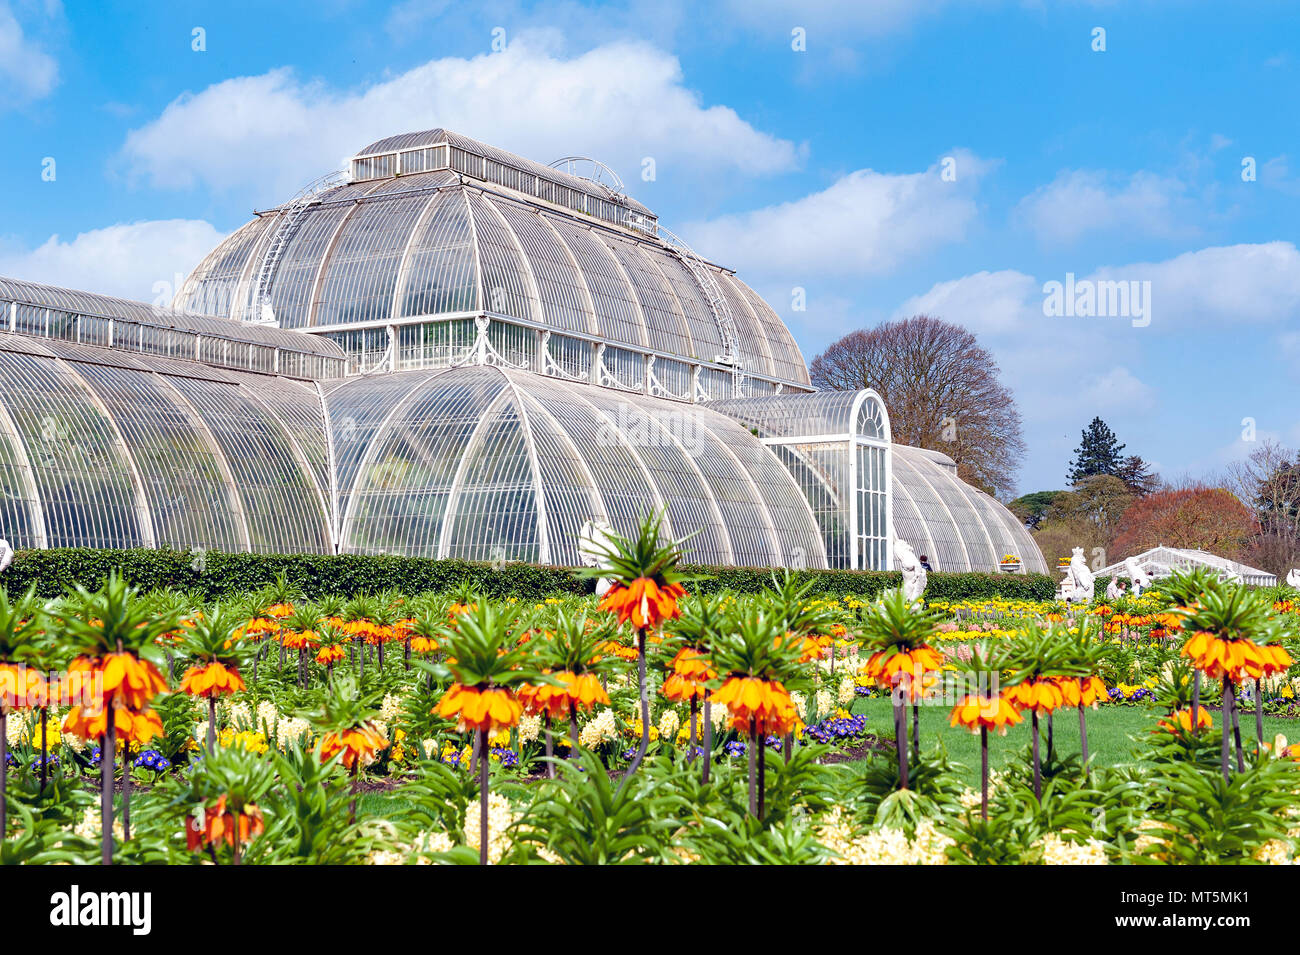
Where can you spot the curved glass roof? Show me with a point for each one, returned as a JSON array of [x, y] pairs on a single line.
[[104, 449], [100, 448], [1161, 561], [441, 243], [957, 526], [488, 463], [822, 413]]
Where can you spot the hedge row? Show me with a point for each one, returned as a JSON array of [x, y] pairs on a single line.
[[219, 575]]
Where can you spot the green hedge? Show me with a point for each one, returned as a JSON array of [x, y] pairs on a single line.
[[223, 574], [869, 583]]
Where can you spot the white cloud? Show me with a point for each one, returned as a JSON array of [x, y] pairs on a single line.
[[27, 72], [1221, 285], [1060, 368], [1216, 287], [128, 260], [865, 222], [1118, 389], [984, 302], [619, 103], [1082, 201]]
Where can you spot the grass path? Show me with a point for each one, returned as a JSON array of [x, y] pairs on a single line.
[[1109, 729]]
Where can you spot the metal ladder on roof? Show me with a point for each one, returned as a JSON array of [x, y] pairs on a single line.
[[726, 322], [259, 310]]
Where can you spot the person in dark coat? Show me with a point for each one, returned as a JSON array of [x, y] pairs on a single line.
[[925, 564]]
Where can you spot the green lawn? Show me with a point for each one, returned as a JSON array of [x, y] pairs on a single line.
[[1109, 743], [1109, 729]]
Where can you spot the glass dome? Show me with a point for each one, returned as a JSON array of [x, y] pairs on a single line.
[[479, 231]]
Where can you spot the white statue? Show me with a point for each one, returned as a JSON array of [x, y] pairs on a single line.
[[1293, 579], [905, 559], [1141, 579], [1077, 586], [595, 542], [1113, 590], [6, 555]]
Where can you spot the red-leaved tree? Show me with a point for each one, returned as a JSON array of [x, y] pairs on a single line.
[[1199, 517]]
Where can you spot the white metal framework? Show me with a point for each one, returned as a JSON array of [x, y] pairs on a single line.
[[458, 352], [260, 311], [435, 231], [836, 445]]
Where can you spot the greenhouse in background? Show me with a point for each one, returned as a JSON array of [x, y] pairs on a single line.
[[1163, 561], [452, 351]]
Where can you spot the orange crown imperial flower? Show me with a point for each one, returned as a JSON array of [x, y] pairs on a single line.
[[331, 654], [689, 671], [1183, 721], [1042, 695], [690, 664], [1234, 659], [810, 647], [764, 701], [643, 602], [915, 666], [215, 679], [1081, 691], [299, 639], [975, 712], [358, 744], [620, 650], [129, 679], [679, 689], [220, 825], [544, 699], [584, 690], [21, 687], [91, 722], [490, 709]]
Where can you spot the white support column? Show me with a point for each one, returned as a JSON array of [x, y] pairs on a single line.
[[855, 560], [543, 349]]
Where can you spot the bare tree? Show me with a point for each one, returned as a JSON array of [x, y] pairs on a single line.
[[942, 392], [1268, 480]]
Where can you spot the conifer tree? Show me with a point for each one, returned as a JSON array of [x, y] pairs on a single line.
[[1098, 453]]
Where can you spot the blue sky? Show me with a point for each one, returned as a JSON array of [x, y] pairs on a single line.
[[820, 169]]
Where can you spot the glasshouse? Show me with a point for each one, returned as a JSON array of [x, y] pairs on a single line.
[[452, 351], [1160, 562]]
